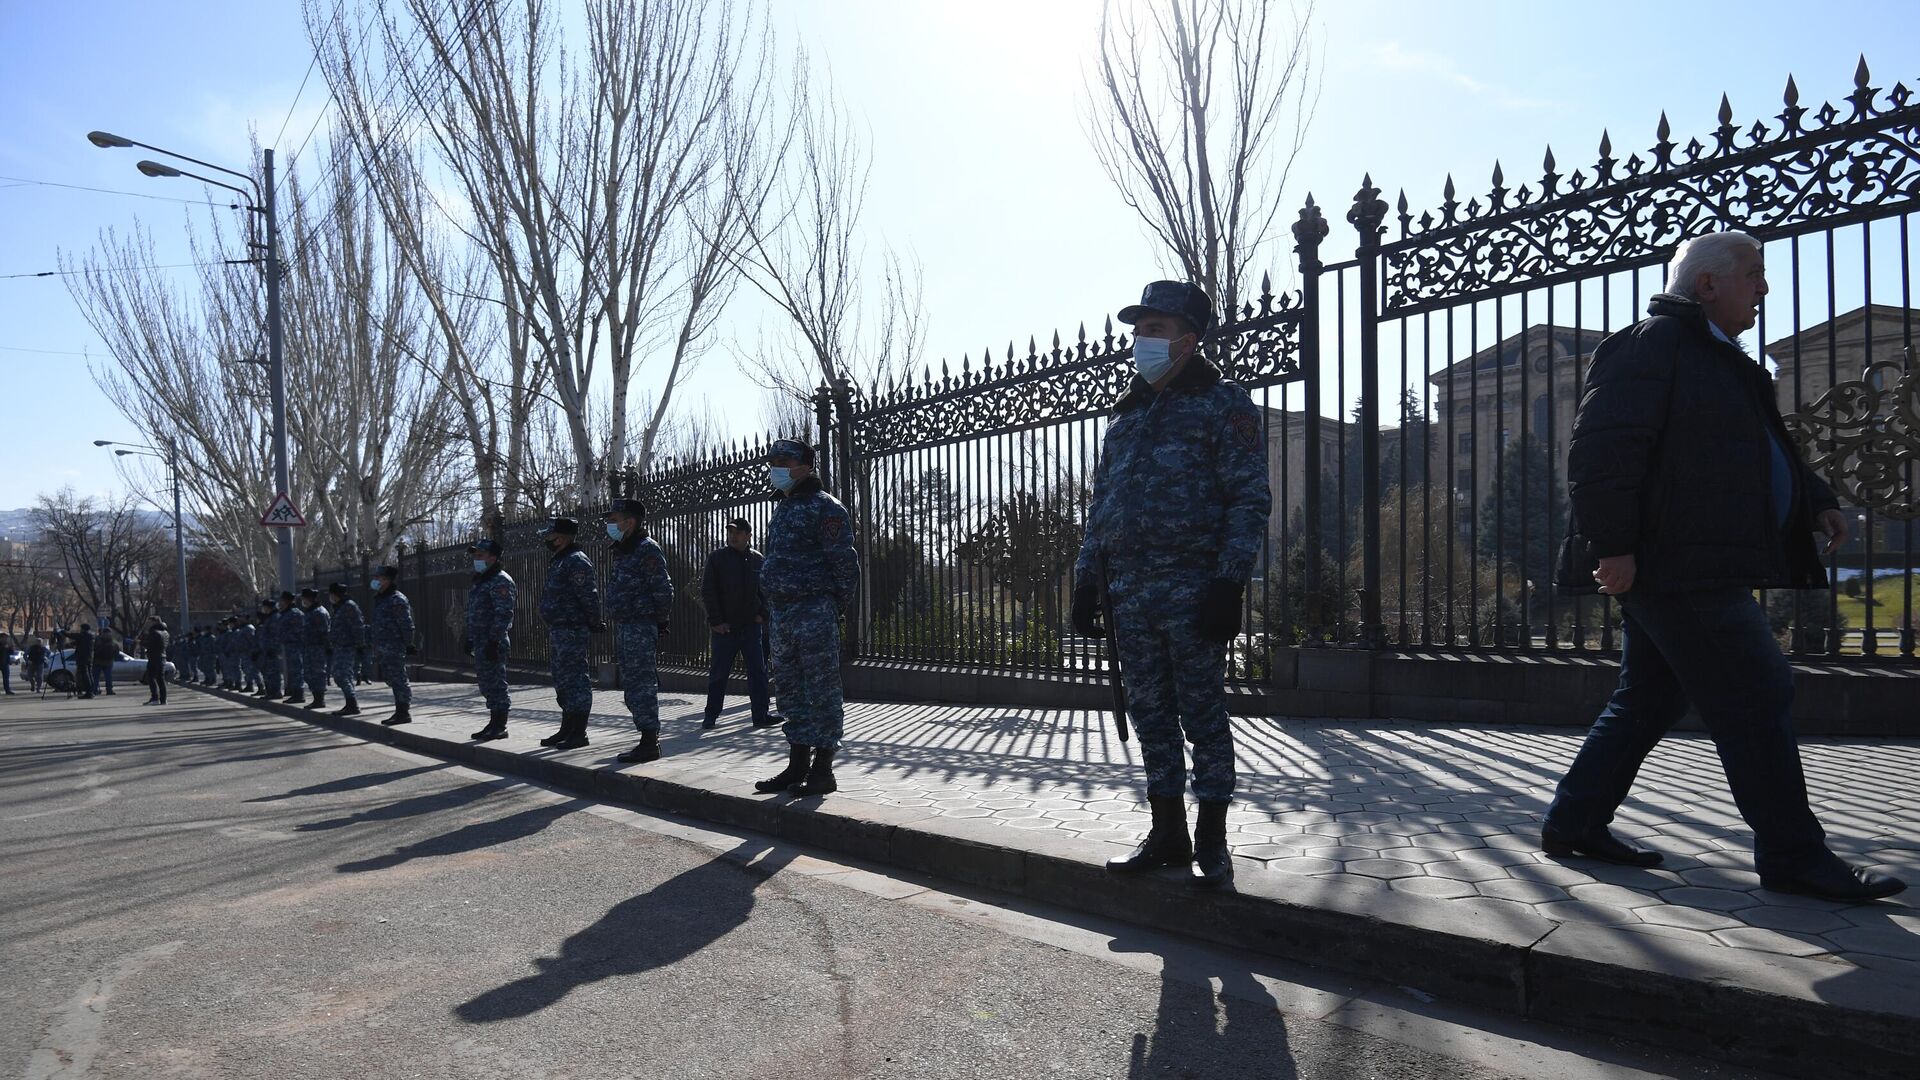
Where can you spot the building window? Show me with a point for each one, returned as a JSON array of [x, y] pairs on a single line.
[[1463, 480], [1506, 437], [1466, 442]]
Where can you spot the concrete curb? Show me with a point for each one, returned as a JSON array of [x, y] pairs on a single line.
[[1794, 1016]]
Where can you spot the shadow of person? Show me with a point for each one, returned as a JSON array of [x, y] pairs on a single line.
[[470, 837], [667, 923], [412, 806], [1236, 1032], [352, 783]]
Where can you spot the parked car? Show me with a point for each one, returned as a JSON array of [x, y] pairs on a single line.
[[126, 669]]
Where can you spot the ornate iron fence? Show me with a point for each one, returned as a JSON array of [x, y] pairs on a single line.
[[1416, 401]]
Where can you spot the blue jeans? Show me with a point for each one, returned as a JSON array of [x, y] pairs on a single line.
[[748, 645], [1712, 648], [102, 670]]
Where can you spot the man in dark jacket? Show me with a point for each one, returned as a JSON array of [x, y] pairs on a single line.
[[153, 645], [106, 649], [1688, 494], [736, 612], [82, 654]]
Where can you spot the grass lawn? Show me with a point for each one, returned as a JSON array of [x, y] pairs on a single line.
[[1889, 594]]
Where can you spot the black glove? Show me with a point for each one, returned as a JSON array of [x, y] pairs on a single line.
[[1086, 610], [466, 645], [1220, 610], [598, 626], [413, 650], [493, 650]]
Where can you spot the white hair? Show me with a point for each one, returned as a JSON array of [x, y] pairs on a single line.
[[1710, 253]]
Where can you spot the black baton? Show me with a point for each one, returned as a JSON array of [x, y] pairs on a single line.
[[1113, 655]]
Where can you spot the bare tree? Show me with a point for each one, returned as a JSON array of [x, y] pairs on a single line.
[[108, 556], [1204, 174]]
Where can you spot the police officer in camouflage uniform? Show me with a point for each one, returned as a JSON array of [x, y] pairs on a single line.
[[266, 650], [224, 651], [808, 578], [345, 631], [490, 602], [392, 626], [1180, 504], [313, 646], [247, 646], [639, 601], [293, 646], [209, 657], [570, 606]]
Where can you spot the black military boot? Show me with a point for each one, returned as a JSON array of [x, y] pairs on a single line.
[[1167, 843], [351, 708], [647, 750], [319, 701], [401, 715], [573, 731], [496, 727], [796, 770], [558, 735], [298, 696], [1212, 863], [819, 779]]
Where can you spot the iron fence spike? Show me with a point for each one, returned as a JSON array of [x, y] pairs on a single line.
[[1726, 111], [1860, 73], [1792, 95]]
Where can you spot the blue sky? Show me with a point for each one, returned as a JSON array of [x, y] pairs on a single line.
[[981, 162]]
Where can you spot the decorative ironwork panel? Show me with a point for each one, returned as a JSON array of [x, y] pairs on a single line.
[[735, 479], [1864, 438], [1805, 171], [1260, 348]]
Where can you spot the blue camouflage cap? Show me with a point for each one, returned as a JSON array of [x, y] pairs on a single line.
[[560, 525], [627, 508], [791, 448], [1189, 302], [491, 547]]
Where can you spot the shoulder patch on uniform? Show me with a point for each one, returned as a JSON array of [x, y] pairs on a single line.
[[1246, 429], [831, 526]]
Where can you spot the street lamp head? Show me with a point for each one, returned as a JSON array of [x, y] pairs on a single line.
[[121, 453], [103, 442], [107, 141], [154, 168]]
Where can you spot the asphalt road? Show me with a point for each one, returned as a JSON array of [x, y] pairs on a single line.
[[207, 891]]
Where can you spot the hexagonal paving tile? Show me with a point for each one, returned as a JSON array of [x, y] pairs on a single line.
[[1385, 869], [1436, 888], [1710, 899]]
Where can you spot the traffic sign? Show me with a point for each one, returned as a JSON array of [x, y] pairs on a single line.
[[281, 512]]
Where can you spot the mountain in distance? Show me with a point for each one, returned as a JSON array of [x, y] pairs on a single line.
[[17, 525]]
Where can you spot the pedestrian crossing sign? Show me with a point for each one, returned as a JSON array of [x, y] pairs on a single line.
[[281, 512]]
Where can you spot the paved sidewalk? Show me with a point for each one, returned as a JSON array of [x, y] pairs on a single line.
[[1441, 812]]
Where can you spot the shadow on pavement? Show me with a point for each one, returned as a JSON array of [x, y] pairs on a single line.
[[411, 807], [352, 783], [1197, 1032], [666, 924], [471, 837]]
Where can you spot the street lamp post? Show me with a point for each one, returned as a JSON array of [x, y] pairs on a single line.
[[261, 202], [172, 457]]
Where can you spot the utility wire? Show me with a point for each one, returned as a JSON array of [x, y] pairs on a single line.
[[124, 269], [18, 181]]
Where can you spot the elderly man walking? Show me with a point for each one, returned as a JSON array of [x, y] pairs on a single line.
[[1688, 495]]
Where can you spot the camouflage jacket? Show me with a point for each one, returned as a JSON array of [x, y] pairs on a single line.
[[392, 621], [266, 634], [490, 608], [245, 640], [639, 589], [571, 597], [344, 631], [319, 627], [293, 629], [1182, 479], [809, 548]]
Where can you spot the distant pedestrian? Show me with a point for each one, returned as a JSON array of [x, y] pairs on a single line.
[[491, 599], [106, 650], [393, 629], [570, 606], [344, 635], [6, 664], [153, 645], [1688, 494], [314, 647], [1179, 511], [737, 618], [809, 575], [81, 654], [34, 660], [639, 601]]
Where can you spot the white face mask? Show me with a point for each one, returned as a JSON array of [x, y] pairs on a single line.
[[780, 477], [479, 566], [1152, 358], [613, 531], [374, 584]]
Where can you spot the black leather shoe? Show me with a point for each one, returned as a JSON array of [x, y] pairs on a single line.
[[1167, 842], [709, 723], [1596, 844], [1835, 880], [769, 721]]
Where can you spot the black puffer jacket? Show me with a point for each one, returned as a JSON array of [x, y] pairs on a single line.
[[1669, 462]]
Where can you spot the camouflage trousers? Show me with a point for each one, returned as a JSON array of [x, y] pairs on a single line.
[[491, 675], [296, 667], [567, 661], [806, 670], [637, 647], [1175, 682], [344, 668], [209, 668], [230, 669], [393, 669], [270, 672], [249, 669], [316, 669]]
